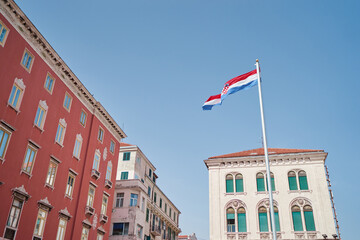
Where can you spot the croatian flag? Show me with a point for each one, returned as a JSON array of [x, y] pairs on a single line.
[[212, 101], [238, 83]]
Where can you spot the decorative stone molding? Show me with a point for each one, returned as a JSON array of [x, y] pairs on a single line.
[[231, 236], [105, 154], [94, 221], [43, 105], [87, 223], [300, 201], [266, 203], [101, 229], [235, 204], [63, 122], [21, 193], [65, 213], [44, 203], [78, 136]]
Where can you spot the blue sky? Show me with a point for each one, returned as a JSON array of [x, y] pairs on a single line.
[[152, 64]]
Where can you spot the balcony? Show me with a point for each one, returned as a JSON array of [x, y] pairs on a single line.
[[95, 174], [108, 183], [156, 230], [103, 218], [89, 210]]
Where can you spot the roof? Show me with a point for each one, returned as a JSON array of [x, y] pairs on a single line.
[[122, 144], [260, 152]]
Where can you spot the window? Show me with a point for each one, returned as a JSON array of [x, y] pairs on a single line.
[[112, 146], [142, 204], [41, 114], [165, 208], [154, 197], [29, 160], [239, 185], [104, 204], [96, 162], [292, 180], [83, 118], [229, 183], [272, 182], [13, 219], [230, 219], [133, 199], [241, 216], [61, 229], [120, 228], [70, 185], [309, 218], [77, 146], [49, 83], [84, 233], [101, 134], [169, 212], [139, 231], [147, 214], [297, 178], [126, 156], [124, 176], [16, 93], [150, 172], [160, 205], [40, 223], [60, 133], [27, 60], [263, 222], [4, 141], [50, 178], [264, 212], [100, 236], [67, 101], [3, 33], [149, 191], [260, 183], [303, 181], [91, 196], [108, 171], [119, 200], [296, 216]]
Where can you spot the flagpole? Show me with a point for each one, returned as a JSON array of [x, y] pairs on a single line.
[[268, 176]]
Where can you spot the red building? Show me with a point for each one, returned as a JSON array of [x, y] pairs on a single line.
[[58, 145]]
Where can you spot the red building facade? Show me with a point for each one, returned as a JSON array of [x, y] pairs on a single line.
[[58, 145]]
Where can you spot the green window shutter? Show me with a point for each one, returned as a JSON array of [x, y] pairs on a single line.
[[292, 183], [230, 216], [303, 183], [260, 184], [239, 185], [229, 185], [124, 175], [242, 222], [147, 215], [297, 221], [273, 184], [277, 222], [126, 156], [263, 222], [309, 221]]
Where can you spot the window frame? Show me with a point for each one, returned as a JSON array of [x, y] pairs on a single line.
[[104, 205], [79, 140], [101, 134], [61, 235], [42, 106], [2, 43], [67, 96], [133, 199], [26, 51], [50, 182], [26, 161], [91, 197], [59, 139], [4, 147], [71, 188], [96, 160], [108, 171], [119, 199], [83, 119], [19, 85], [124, 175], [126, 156], [16, 213], [49, 76], [42, 221], [112, 146]]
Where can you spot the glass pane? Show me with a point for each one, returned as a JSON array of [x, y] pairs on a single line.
[[297, 221], [239, 185], [260, 184]]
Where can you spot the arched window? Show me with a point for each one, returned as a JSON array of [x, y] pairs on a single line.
[[241, 215], [239, 183], [272, 182], [296, 216], [309, 218], [292, 181], [229, 183], [230, 219], [277, 221], [263, 220], [303, 181], [260, 182]]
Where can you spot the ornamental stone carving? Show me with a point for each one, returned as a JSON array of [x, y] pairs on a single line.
[[235, 204]]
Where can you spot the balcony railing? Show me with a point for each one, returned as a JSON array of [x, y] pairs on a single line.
[[95, 173], [155, 230], [103, 218], [89, 210], [108, 183]]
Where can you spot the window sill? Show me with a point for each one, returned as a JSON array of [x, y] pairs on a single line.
[[14, 108], [26, 173], [67, 196], [49, 186], [59, 144], [76, 158], [267, 192], [41, 129], [300, 191], [2, 160], [235, 193]]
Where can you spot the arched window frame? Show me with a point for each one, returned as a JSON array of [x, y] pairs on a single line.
[[233, 177], [302, 203], [236, 205], [297, 176], [264, 177], [266, 204]]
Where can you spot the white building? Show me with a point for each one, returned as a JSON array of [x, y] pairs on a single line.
[[239, 204], [141, 210]]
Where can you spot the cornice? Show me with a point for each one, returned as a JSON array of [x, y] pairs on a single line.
[[37, 41]]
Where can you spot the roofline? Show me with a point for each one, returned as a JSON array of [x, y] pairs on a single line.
[[270, 154], [136, 148]]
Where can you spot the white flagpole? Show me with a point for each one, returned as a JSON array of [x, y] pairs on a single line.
[[272, 216]]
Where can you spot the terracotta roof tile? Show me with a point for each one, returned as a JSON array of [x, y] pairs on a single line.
[[122, 144], [260, 151]]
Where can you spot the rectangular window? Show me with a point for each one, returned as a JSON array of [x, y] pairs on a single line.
[[60, 134], [77, 146], [85, 233], [133, 199], [61, 229], [83, 118], [165, 208], [29, 159], [120, 228], [112, 146], [96, 162], [50, 178], [119, 200], [139, 231], [169, 212], [147, 214], [100, 236], [150, 172], [40, 223], [154, 197], [104, 204], [49, 83], [126, 156], [40, 117], [91, 195], [15, 96], [263, 222], [67, 101], [4, 141], [13, 219], [149, 191], [260, 184], [108, 171], [101, 134], [124, 176], [292, 182], [3, 33], [160, 205], [27, 60], [70, 185]]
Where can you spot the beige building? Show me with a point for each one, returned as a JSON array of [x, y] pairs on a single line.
[[239, 204], [140, 209]]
